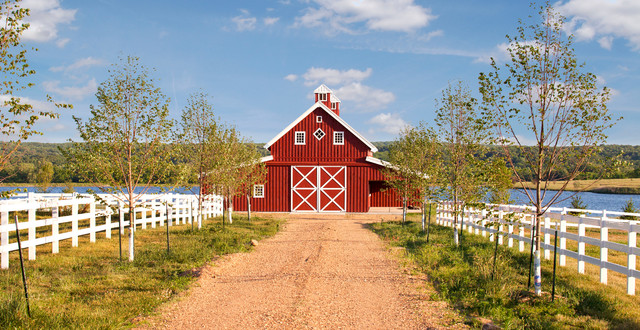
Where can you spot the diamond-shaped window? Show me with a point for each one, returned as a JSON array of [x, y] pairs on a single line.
[[319, 134]]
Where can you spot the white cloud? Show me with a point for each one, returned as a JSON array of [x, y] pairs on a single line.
[[44, 19], [79, 64], [347, 85], [501, 52], [381, 15], [315, 76], [76, 93], [388, 122], [364, 97], [270, 20], [609, 19], [62, 42], [291, 77], [244, 22]]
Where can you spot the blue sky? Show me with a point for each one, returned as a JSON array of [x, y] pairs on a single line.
[[387, 60]]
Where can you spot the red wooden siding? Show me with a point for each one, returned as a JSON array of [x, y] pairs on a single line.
[[314, 151], [276, 193]]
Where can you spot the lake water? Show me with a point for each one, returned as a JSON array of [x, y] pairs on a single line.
[[594, 201], [609, 202]]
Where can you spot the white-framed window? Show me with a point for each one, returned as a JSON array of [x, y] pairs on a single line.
[[338, 137], [334, 105], [258, 191], [318, 119], [319, 134], [322, 97], [300, 138]]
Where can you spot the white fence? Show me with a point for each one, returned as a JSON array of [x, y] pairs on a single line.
[[80, 209], [489, 223]]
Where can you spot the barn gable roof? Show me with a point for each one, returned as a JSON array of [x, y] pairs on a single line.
[[333, 115]]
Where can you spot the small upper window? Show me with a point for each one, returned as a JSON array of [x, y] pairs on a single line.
[[322, 97], [319, 134], [334, 105], [299, 138], [258, 191], [338, 137], [318, 119]]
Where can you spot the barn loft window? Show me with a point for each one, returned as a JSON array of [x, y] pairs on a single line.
[[258, 191], [299, 138], [319, 134], [318, 119], [338, 137], [322, 97], [334, 105]]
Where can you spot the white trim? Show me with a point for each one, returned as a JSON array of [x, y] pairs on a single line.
[[261, 195], [266, 159], [377, 161], [318, 119], [330, 113], [304, 138], [341, 134]]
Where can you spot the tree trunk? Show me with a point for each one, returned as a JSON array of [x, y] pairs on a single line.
[[537, 268], [132, 229], [404, 210], [249, 208], [230, 210]]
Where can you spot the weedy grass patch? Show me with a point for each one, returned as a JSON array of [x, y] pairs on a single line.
[[464, 276], [88, 287]]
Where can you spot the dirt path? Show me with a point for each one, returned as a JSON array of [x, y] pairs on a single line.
[[318, 272]]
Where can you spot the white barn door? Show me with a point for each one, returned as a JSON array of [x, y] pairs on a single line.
[[318, 188]]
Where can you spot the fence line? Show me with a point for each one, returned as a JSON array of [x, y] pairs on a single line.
[[483, 222], [182, 209]]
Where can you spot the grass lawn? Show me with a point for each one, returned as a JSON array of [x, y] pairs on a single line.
[[88, 287], [463, 277]]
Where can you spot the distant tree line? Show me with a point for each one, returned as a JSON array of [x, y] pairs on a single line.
[[626, 162]]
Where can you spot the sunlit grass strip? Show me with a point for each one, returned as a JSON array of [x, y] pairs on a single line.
[[462, 276], [88, 287]]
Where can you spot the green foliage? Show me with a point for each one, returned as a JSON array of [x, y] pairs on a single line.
[[17, 118], [87, 287], [577, 203], [629, 207], [462, 277], [124, 141], [543, 95], [44, 175]]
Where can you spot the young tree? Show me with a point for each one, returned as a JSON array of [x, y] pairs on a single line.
[[464, 137], [44, 175], [17, 117], [543, 97], [415, 159], [253, 172], [125, 141], [196, 147]]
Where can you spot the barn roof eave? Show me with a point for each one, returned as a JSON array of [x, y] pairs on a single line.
[[332, 114]]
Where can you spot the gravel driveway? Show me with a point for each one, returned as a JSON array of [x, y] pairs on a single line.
[[319, 272]]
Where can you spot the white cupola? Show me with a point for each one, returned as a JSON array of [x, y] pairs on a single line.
[[325, 95]]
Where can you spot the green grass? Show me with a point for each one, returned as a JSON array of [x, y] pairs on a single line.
[[88, 287], [462, 276]]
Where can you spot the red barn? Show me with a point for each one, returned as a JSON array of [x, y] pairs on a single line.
[[320, 164]]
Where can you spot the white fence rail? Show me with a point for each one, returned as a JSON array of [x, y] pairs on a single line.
[[82, 209], [489, 223]]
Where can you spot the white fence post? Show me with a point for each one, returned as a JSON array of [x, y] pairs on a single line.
[[92, 221], [107, 222], [121, 218], [581, 244], [74, 223], [55, 229], [31, 213], [521, 239], [143, 216], [604, 251], [500, 227], [631, 259], [547, 237], [4, 240], [563, 239]]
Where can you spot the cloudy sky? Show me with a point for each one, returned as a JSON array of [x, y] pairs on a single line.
[[387, 60]]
